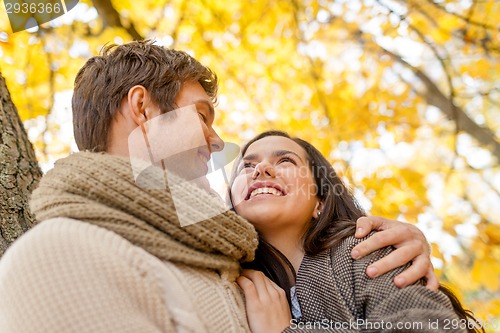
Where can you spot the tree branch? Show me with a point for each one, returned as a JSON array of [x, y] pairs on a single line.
[[434, 96], [111, 18], [466, 19]]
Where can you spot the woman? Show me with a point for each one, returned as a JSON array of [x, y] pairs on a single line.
[[306, 217]]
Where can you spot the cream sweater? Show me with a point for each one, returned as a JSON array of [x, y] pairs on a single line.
[[78, 277], [111, 256]]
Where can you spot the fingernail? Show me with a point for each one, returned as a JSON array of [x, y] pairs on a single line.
[[372, 271], [400, 281], [355, 254], [359, 231]]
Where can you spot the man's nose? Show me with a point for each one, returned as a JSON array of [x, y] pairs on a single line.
[[215, 142]]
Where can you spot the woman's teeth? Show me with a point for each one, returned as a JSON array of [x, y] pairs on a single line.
[[266, 190]]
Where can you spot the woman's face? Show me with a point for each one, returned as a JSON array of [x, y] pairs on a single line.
[[274, 188]]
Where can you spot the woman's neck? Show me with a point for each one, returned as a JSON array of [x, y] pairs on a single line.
[[288, 244]]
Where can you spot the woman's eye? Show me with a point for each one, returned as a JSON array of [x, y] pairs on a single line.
[[287, 159], [246, 167]]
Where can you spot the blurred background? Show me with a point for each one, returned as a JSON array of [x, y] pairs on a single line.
[[403, 97]]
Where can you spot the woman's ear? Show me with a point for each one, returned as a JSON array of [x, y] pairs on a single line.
[[318, 209], [138, 101]]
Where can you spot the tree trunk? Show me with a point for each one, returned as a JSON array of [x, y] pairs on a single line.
[[19, 172]]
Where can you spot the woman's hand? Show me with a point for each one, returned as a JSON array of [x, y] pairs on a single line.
[[266, 304], [410, 243]]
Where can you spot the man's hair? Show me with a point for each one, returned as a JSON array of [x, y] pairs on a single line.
[[105, 80]]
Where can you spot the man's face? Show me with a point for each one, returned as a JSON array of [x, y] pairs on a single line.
[[198, 136], [193, 93], [182, 140]]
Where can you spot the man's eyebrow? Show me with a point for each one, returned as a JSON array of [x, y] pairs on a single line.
[[208, 104], [276, 153]]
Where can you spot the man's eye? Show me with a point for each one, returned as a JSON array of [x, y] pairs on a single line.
[[203, 118], [248, 165]]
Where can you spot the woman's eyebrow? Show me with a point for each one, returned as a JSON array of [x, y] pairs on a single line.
[[276, 153], [279, 153], [251, 157]]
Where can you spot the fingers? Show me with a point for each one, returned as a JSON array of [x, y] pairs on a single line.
[[377, 241], [259, 286], [418, 269], [411, 246], [248, 287], [366, 224], [280, 291], [397, 234], [432, 279], [395, 259], [265, 302]]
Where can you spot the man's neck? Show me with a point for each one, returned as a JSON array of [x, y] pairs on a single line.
[[118, 150]]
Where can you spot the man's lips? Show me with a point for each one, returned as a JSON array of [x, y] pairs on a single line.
[[205, 154], [270, 185]]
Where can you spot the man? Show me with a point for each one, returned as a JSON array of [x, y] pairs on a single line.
[[112, 255]]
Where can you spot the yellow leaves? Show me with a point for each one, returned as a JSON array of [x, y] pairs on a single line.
[[460, 279], [449, 223], [447, 25], [318, 72], [486, 272], [488, 313], [487, 12], [398, 191], [4, 19], [25, 68], [492, 231], [436, 251], [480, 68], [108, 36]]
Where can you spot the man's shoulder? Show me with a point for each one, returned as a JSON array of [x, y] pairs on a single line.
[[63, 233], [68, 243], [63, 267]]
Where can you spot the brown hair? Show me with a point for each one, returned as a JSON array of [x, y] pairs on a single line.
[[105, 80], [336, 222]]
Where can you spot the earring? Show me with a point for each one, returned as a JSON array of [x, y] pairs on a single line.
[[319, 213]]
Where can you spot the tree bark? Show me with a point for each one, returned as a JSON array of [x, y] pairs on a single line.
[[19, 172], [111, 18]]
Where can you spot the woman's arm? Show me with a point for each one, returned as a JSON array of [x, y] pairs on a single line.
[[410, 246]]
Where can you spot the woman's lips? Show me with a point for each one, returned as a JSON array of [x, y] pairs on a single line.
[[265, 189]]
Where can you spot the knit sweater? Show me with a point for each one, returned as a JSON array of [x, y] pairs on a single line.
[[110, 256], [70, 276], [336, 295]]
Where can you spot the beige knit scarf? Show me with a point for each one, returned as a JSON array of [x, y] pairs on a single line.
[[99, 188]]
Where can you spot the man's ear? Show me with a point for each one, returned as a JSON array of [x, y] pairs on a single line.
[[138, 101]]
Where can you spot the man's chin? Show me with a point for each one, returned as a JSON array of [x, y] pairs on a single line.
[[202, 183]]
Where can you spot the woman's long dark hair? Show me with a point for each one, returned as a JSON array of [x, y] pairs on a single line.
[[336, 222]]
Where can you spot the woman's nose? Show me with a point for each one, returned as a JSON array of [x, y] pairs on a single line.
[[264, 168]]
